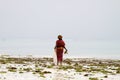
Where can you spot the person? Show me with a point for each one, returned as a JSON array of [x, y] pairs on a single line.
[[59, 49]]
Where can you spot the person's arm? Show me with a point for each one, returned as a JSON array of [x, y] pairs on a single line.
[[55, 47], [65, 49]]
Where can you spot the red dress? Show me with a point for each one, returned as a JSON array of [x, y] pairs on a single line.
[[59, 49]]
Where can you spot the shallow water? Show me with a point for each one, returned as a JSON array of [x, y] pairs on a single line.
[[100, 49]]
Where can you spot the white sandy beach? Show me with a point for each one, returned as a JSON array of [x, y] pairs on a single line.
[[26, 68]]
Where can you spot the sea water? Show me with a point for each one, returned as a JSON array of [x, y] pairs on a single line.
[[76, 48]]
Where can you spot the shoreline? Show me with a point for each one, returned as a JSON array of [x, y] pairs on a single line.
[[64, 57]]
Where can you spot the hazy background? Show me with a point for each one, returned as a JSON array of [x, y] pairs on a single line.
[[91, 28]]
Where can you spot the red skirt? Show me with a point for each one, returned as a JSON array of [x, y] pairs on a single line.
[[59, 54]]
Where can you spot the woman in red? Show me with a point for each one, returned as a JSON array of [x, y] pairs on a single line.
[[59, 48]]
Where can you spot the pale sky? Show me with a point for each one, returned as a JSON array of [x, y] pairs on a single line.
[[74, 19]]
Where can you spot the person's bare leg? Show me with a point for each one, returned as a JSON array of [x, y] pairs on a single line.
[[57, 62], [61, 63]]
